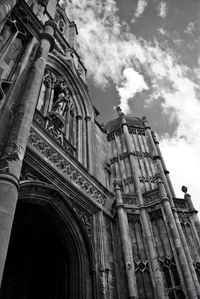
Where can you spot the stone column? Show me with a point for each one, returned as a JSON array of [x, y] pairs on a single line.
[[158, 280], [11, 99], [186, 262], [177, 242], [79, 144], [166, 172], [14, 151], [89, 144], [127, 250]]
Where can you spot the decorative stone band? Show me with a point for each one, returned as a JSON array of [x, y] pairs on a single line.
[[129, 199], [130, 180], [45, 124], [180, 203], [136, 154], [152, 196], [118, 132], [60, 162]]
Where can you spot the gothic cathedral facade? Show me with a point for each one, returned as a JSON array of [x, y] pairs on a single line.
[[86, 211]]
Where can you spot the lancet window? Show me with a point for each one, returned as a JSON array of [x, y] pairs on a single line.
[[56, 105], [172, 278], [167, 262], [142, 269]]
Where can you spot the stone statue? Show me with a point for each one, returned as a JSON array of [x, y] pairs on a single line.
[[60, 104]]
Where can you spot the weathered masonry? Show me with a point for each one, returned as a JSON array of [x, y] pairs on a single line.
[[86, 212]]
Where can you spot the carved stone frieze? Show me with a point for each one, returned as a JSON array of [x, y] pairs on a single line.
[[152, 196], [180, 203], [128, 180], [136, 131], [151, 179], [55, 132], [136, 154], [65, 167], [118, 132], [111, 136], [129, 199], [49, 127]]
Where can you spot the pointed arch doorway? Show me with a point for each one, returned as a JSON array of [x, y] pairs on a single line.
[[49, 255]]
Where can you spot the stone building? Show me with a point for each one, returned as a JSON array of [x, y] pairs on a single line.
[[92, 209]]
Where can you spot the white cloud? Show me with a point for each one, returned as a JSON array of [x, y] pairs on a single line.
[[142, 4], [163, 32], [190, 28], [132, 83], [162, 9]]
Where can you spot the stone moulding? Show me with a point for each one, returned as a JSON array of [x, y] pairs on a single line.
[[61, 163]]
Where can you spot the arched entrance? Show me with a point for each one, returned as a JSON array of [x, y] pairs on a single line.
[[48, 255]]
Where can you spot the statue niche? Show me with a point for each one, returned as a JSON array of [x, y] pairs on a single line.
[[61, 103], [56, 108]]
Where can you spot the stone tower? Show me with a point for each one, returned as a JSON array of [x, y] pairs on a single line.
[[86, 212]]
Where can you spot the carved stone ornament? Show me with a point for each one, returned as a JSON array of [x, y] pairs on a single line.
[[152, 196], [180, 203], [184, 218], [136, 131], [141, 266], [65, 167], [126, 155], [167, 262], [129, 199]]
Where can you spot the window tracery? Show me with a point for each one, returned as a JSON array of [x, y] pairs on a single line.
[[172, 278]]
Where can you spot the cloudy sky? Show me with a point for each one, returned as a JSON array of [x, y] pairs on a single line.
[[145, 56]]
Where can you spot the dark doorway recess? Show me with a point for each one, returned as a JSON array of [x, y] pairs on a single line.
[[37, 263]]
